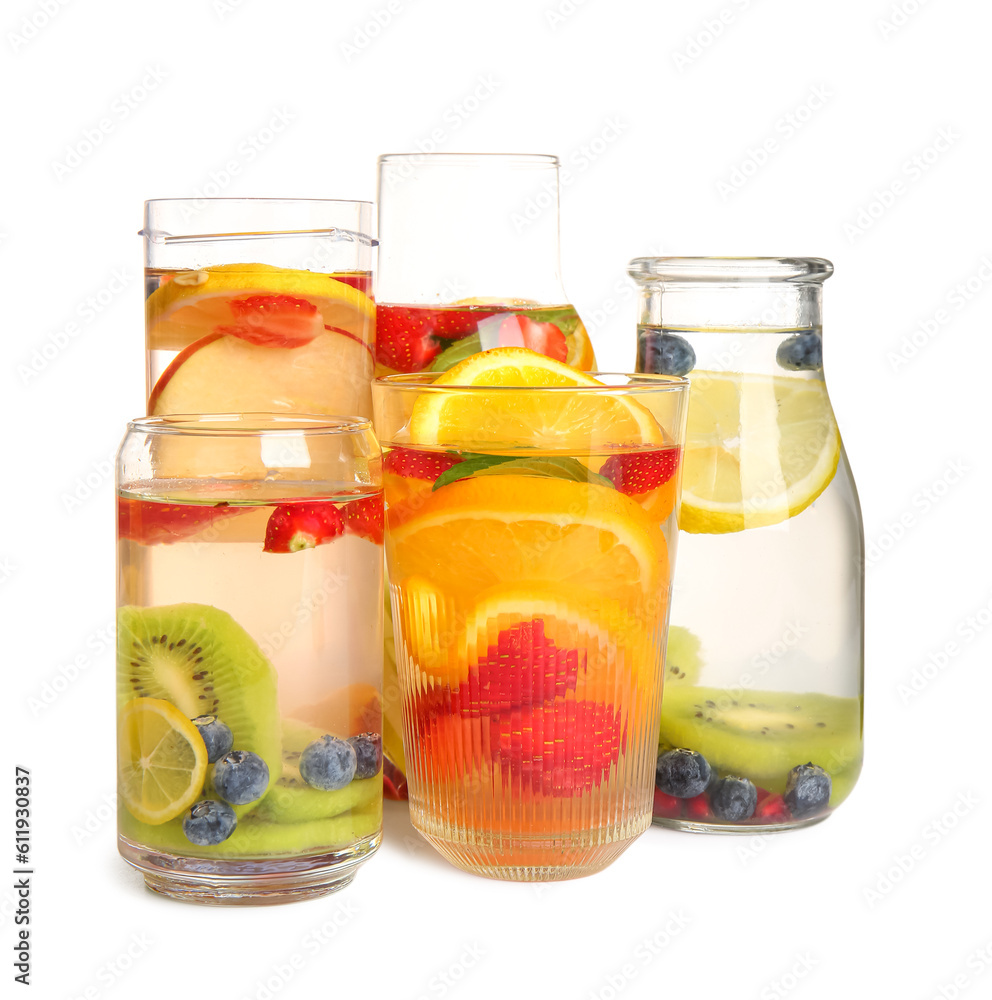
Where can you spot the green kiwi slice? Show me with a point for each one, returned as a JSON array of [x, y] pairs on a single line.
[[202, 661], [292, 800], [256, 838], [682, 659], [762, 735]]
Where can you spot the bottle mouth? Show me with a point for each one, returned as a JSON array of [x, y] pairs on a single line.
[[729, 270]]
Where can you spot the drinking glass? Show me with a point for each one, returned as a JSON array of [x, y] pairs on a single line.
[[530, 544], [761, 723], [249, 638], [258, 304]]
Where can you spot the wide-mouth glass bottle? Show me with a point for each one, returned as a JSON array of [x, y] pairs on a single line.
[[761, 720]]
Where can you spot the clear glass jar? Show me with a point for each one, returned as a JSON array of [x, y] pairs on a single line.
[[762, 711]]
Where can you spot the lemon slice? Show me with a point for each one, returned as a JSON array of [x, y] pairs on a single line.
[[192, 303], [540, 421], [162, 760], [759, 449]]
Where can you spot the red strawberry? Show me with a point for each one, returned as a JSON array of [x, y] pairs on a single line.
[[274, 321], [666, 805], [409, 338], [637, 472], [153, 523], [361, 280], [698, 807], [393, 781], [304, 525], [414, 464], [518, 330], [364, 518], [771, 808]]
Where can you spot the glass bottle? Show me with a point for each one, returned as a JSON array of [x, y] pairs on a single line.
[[762, 710]]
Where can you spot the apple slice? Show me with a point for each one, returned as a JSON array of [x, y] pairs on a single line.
[[220, 373]]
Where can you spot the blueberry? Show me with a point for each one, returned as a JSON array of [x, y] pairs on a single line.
[[682, 773], [807, 789], [734, 799], [328, 763], [802, 352], [209, 822], [216, 736], [368, 752], [241, 777], [664, 353]]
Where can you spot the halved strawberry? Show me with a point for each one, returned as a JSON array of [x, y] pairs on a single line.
[[518, 330], [153, 523], [667, 805], [274, 320], [699, 807], [409, 338], [361, 280], [414, 464], [771, 808], [302, 525], [364, 518], [639, 472]]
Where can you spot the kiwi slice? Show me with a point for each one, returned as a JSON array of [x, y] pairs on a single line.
[[762, 735], [682, 660], [292, 800], [202, 661], [256, 838]]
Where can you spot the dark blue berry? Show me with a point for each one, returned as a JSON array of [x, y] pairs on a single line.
[[734, 799], [664, 353], [802, 352], [807, 789], [328, 763], [368, 754], [216, 736], [241, 777], [682, 773], [209, 822]]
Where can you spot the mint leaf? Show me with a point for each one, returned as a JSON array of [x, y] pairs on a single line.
[[458, 351], [505, 465], [470, 466]]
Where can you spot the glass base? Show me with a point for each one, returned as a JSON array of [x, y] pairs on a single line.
[[248, 881], [529, 858], [740, 829]]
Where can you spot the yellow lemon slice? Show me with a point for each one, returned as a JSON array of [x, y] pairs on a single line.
[[161, 762], [759, 449]]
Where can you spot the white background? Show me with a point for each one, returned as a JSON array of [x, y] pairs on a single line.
[[685, 105]]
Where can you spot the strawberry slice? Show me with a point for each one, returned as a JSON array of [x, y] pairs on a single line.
[[518, 330], [274, 320], [151, 523], [771, 808], [699, 807], [393, 781], [409, 338], [639, 472], [667, 805], [303, 525], [364, 518], [413, 464], [360, 280]]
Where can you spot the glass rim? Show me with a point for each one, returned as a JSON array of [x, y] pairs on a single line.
[[254, 425], [546, 159], [729, 270], [255, 199], [643, 382]]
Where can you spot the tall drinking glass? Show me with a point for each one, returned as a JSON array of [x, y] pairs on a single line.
[[258, 304], [249, 651], [530, 543]]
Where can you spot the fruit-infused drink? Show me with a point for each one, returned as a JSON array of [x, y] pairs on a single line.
[[762, 709], [256, 305], [529, 512], [468, 262], [249, 654]]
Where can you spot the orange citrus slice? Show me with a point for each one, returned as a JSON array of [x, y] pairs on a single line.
[[162, 760]]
